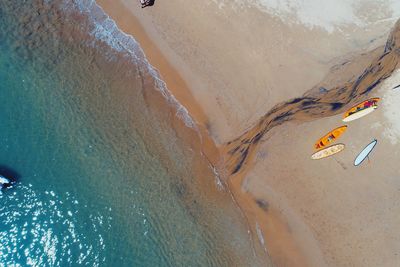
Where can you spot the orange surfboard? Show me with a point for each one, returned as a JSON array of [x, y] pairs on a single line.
[[361, 109], [330, 137]]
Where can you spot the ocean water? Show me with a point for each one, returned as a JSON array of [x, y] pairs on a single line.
[[103, 178]]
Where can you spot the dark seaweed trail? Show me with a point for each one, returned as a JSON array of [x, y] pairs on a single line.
[[316, 103]]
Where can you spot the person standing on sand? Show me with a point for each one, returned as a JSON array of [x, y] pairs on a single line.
[[146, 3]]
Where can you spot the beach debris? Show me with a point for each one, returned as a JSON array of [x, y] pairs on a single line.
[[323, 90], [263, 204], [328, 151], [361, 109], [330, 137], [365, 153], [396, 87]]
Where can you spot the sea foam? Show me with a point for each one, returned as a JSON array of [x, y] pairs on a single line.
[[106, 30]]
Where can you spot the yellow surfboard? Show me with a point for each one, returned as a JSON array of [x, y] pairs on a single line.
[[330, 137], [328, 151], [361, 109]]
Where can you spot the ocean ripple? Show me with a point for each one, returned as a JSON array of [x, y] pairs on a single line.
[[45, 229]]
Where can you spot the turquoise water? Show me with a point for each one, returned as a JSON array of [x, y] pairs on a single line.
[[103, 177]]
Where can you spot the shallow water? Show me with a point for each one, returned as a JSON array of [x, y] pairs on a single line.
[[103, 178]]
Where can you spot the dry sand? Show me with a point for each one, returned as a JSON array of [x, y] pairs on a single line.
[[238, 63], [352, 212], [229, 68], [241, 158]]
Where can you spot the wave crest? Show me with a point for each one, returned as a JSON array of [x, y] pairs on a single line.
[[106, 30]]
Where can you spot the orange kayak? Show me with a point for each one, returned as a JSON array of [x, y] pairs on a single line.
[[361, 109], [330, 137]]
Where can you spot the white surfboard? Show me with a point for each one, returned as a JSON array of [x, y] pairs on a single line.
[[365, 153], [359, 114], [329, 151]]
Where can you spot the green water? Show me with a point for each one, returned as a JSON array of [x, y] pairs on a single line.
[[103, 180]]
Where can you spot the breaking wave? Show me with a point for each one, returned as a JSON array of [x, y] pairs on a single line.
[[104, 28]]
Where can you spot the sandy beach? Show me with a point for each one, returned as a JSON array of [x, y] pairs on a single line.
[[236, 69]]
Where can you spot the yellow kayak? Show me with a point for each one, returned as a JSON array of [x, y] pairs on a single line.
[[361, 109], [330, 137]]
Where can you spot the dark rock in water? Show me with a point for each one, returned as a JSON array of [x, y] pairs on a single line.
[[5, 186], [4, 182], [8, 176]]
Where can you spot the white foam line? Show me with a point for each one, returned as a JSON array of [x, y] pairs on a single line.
[[107, 30]]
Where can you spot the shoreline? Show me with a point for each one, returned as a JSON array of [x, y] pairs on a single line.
[[176, 85], [110, 120], [287, 251], [196, 139], [288, 237]]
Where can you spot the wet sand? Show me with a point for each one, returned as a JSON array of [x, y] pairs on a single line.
[[274, 195], [198, 139]]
